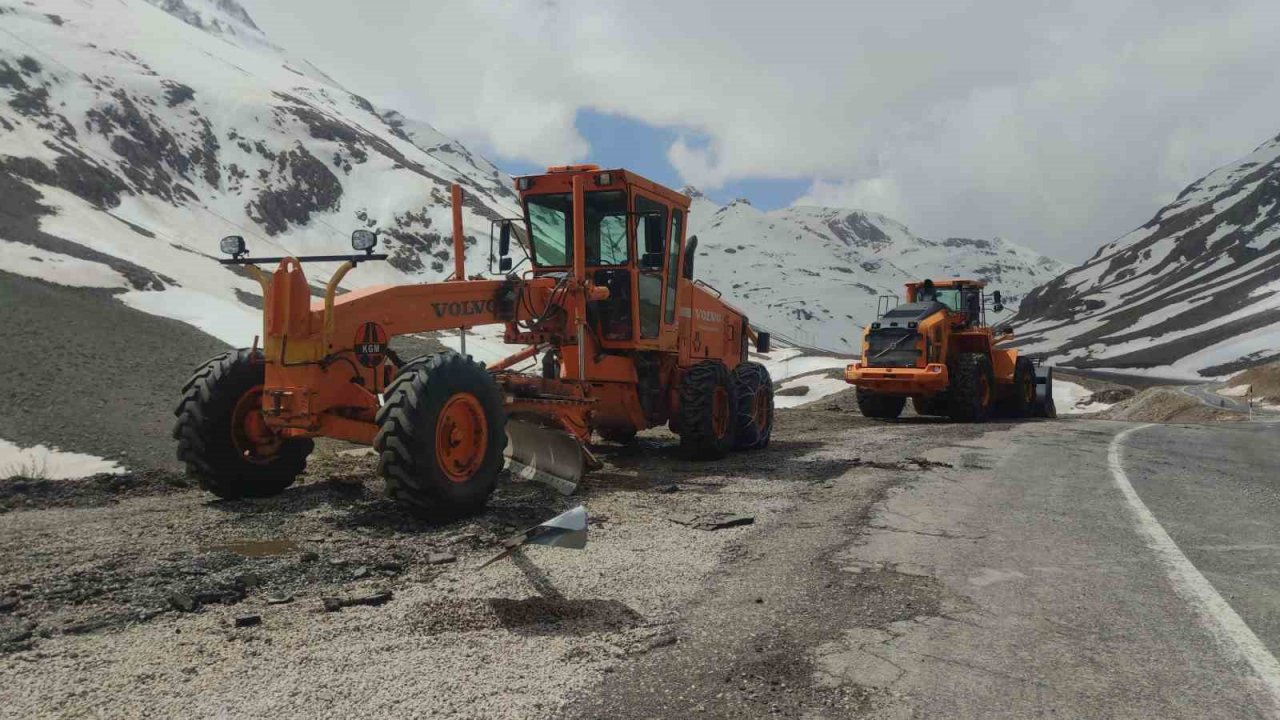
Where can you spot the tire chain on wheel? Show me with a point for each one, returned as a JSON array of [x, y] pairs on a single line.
[[697, 393], [750, 378], [405, 442], [204, 434], [966, 403]]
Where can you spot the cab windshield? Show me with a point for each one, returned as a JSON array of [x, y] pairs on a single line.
[[550, 219]]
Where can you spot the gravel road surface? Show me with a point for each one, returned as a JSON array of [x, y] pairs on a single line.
[[908, 569]]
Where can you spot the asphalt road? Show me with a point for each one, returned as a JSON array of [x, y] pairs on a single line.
[[1206, 395], [1068, 569]]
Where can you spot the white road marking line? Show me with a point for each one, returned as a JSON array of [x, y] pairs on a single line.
[[1227, 627]]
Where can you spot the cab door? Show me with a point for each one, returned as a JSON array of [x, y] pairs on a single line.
[[671, 281], [651, 234]]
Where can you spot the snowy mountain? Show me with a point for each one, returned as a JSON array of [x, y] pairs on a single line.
[[814, 274], [1195, 292], [135, 133]]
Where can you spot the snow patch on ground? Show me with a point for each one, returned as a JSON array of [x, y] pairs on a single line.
[[1073, 399], [56, 268], [818, 387], [228, 320], [46, 463]]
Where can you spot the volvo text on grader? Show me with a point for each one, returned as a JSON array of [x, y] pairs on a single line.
[[938, 350], [628, 341]]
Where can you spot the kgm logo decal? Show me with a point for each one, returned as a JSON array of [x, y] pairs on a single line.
[[371, 344]]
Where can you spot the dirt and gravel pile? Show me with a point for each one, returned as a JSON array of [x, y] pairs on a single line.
[[166, 601], [1265, 380], [1166, 405]]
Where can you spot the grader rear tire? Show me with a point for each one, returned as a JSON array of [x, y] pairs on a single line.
[[222, 438], [880, 407], [754, 390], [973, 388], [708, 408], [442, 430]]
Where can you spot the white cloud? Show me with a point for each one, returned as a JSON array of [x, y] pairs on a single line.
[[1055, 124]]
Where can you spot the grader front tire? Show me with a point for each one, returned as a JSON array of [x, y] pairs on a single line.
[[442, 430], [222, 437]]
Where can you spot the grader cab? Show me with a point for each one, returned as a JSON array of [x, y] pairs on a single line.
[[628, 340], [938, 350]]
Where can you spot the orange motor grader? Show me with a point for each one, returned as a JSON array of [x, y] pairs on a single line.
[[938, 350], [628, 340]]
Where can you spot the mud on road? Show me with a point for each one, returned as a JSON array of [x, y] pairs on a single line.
[[121, 598]]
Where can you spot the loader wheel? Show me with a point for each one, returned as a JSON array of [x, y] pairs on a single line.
[[754, 390], [621, 436], [441, 432], [708, 408], [880, 407], [223, 438], [935, 405], [972, 388], [1022, 396]]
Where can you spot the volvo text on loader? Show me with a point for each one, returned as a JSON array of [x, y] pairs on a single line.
[[628, 340], [938, 350]]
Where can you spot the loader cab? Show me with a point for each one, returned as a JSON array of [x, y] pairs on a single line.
[[633, 236], [963, 298]]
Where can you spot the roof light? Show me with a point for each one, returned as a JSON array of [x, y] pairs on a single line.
[[604, 178], [524, 183]]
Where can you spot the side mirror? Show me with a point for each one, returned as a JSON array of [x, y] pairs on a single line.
[[763, 342], [651, 261], [233, 245], [504, 241], [995, 296], [690, 250], [363, 240], [504, 264], [998, 307]]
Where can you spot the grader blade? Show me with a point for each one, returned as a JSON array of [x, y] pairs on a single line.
[[544, 455]]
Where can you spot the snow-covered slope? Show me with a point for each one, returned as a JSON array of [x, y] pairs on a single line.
[[814, 274], [135, 133], [1195, 292]]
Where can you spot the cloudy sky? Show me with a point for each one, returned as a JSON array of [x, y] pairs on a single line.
[[1059, 124]]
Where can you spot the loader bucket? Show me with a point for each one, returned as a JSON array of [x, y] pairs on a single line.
[[1044, 406], [545, 455]]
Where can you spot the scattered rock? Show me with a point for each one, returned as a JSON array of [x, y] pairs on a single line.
[[309, 556], [282, 599], [21, 633], [248, 620], [441, 558], [8, 604], [712, 521], [248, 580], [667, 488], [334, 604], [360, 572], [182, 602]]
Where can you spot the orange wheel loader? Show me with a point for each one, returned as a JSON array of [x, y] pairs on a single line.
[[628, 340], [938, 350]]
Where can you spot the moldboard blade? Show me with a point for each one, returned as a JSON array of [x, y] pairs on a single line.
[[551, 457]]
